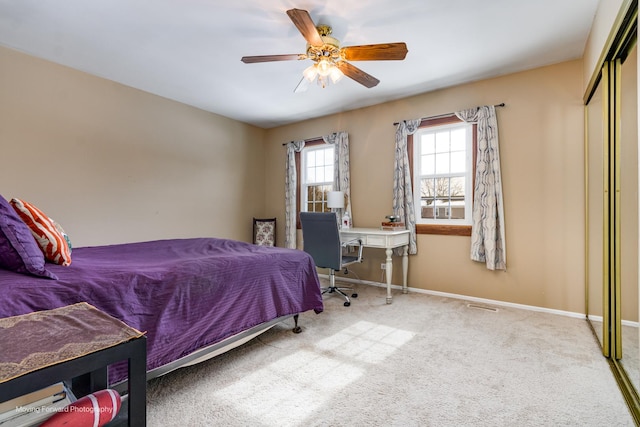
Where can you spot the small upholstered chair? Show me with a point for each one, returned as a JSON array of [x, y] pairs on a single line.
[[264, 231], [321, 239]]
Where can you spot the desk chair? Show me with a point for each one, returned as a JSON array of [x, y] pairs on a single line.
[[322, 241]]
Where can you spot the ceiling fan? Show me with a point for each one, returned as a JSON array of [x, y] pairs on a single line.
[[330, 60]]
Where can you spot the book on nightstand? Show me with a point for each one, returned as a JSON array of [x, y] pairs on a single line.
[[387, 225], [33, 408], [31, 397]]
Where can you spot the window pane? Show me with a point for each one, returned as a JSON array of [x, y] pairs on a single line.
[[442, 188], [458, 139], [457, 211], [457, 197], [442, 142], [457, 188], [328, 156], [325, 196], [442, 198], [427, 188], [458, 161], [427, 192], [311, 175], [319, 165], [317, 198], [328, 173], [428, 144], [442, 163], [311, 159], [428, 165], [427, 211], [319, 194]]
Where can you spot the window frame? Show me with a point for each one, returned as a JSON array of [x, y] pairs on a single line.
[[312, 143], [439, 227]]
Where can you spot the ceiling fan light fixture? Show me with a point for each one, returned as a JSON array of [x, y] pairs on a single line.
[[324, 67], [325, 71], [323, 81], [310, 73], [335, 74]]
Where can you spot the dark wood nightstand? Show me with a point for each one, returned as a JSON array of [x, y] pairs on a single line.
[[74, 343]]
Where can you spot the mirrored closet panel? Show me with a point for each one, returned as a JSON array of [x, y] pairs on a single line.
[[595, 201], [629, 219], [611, 206]]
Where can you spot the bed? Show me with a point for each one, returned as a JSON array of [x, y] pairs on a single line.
[[193, 298]]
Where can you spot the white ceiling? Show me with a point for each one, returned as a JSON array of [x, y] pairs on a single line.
[[190, 50]]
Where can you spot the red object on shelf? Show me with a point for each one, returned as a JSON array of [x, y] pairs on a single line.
[[95, 409]]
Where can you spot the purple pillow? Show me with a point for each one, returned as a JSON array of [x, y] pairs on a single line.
[[19, 251]]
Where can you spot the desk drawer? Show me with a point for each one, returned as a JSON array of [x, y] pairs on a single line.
[[374, 238], [375, 241]]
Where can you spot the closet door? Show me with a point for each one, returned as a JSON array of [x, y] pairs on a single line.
[[596, 199], [627, 338], [612, 205]]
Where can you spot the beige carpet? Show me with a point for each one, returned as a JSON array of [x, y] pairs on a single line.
[[421, 361]]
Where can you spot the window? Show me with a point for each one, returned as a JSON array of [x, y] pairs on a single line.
[[317, 177], [443, 159]]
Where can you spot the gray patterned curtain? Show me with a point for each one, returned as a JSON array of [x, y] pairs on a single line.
[[341, 177], [290, 194], [403, 206], [487, 233]]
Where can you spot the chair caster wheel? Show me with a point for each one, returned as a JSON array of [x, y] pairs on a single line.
[[354, 295], [347, 304]]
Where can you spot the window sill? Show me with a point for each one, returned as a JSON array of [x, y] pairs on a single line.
[[443, 229]]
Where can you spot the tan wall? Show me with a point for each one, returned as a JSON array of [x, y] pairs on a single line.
[[541, 138], [113, 164]]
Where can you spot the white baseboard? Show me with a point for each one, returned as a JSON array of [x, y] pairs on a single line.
[[482, 300], [624, 322]]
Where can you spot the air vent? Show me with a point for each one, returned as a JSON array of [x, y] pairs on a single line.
[[482, 307]]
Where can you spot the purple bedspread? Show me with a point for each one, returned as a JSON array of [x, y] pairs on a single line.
[[185, 293]]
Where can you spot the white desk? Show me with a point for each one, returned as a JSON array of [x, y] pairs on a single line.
[[383, 239]]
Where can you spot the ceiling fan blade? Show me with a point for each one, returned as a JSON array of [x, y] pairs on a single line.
[[357, 74], [375, 52], [302, 20], [271, 58]]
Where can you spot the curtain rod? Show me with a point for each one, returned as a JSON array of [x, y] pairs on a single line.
[[502, 104], [305, 140]]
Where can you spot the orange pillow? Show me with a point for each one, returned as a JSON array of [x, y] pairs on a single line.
[[48, 234]]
